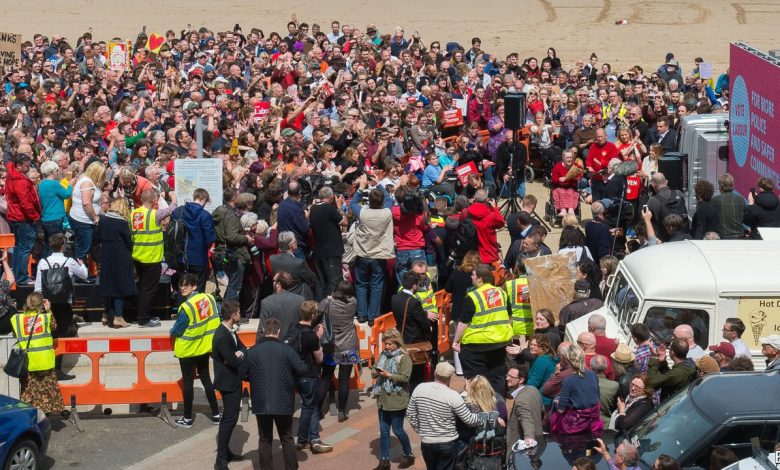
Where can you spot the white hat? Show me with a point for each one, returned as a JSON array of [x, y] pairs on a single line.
[[221, 79], [772, 340]]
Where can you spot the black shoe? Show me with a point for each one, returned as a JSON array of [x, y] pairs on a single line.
[[343, 416], [243, 321], [235, 457], [62, 376], [407, 461], [383, 465], [319, 447], [151, 323], [362, 319], [221, 466], [300, 445]]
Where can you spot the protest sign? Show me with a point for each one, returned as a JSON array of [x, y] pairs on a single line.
[[194, 173], [464, 171], [10, 49], [453, 118], [117, 56], [262, 108]]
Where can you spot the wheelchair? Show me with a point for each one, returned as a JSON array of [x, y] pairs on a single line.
[[551, 212]]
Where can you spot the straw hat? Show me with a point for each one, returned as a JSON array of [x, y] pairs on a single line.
[[623, 354]]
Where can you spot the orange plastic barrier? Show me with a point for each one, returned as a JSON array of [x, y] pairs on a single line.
[[7, 241], [381, 324], [498, 273], [444, 303]]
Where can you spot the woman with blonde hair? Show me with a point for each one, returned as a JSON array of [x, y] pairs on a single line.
[[33, 329], [85, 211], [576, 409], [116, 262], [458, 284], [391, 391]]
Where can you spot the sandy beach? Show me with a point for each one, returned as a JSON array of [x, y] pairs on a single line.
[[574, 27]]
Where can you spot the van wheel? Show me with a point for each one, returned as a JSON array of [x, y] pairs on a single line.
[[24, 456], [529, 175]]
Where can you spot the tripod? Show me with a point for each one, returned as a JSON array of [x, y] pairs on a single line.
[[511, 205], [617, 221]]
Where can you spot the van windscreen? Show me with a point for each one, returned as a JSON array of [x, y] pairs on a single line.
[[623, 302]]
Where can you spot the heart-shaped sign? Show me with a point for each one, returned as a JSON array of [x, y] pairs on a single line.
[[155, 42]]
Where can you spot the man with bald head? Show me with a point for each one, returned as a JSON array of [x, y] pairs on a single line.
[[587, 341], [552, 388], [608, 389], [599, 154], [685, 332]]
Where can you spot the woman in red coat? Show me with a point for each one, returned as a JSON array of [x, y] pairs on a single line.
[[565, 195]]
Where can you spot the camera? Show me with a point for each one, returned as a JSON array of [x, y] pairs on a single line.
[[412, 202]]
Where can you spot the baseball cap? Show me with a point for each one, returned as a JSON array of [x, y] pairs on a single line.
[[287, 132], [772, 340], [581, 286], [444, 370], [725, 348], [707, 365]]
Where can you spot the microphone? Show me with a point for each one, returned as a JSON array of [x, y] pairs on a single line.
[[625, 168]]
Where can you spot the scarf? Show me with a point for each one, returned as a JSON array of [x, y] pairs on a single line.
[[388, 361]]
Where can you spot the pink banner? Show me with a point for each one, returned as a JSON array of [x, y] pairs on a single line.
[[753, 129]]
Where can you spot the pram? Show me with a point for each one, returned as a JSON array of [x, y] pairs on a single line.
[[487, 449]]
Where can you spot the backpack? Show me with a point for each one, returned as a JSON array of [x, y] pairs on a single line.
[[463, 239], [57, 283], [293, 338], [675, 205], [175, 240]]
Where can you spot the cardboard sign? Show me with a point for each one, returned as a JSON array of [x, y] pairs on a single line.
[[193, 173], [453, 118], [262, 108], [551, 281], [155, 42], [705, 70], [10, 49], [464, 171], [117, 56]]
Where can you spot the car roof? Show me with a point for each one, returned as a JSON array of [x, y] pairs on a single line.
[[560, 451], [759, 392], [711, 268]]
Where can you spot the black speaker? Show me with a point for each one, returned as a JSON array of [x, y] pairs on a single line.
[[674, 166], [514, 111]]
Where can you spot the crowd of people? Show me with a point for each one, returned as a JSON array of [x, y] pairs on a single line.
[[341, 152]]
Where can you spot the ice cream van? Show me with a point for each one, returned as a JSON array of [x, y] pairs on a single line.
[[700, 283]]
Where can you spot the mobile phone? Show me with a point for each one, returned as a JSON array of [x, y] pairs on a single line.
[[379, 369], [753, 191], [516, 341], [644, 208]]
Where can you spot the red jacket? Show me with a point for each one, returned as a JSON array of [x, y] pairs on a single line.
[[599, 157], [487, 219], [22, 195]]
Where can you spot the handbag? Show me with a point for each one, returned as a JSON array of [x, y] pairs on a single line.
[[419, 352], [16, 366], [327, 339]]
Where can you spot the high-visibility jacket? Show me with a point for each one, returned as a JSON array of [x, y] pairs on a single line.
[[40, 354], [201, 311], [426, 297], [490, 323], [147, 236], [522, 319]]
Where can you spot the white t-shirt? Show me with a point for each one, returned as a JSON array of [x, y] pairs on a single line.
[[77, 209]]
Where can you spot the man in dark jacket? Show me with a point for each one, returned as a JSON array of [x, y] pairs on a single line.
[[24, 210], [200, 236], [292, 218], [303, 278], [326, 221], [417, 326], [671, 381], [272, 368], [228, 353], [581, 305], [231, 248], [282, 304], [763, 210]]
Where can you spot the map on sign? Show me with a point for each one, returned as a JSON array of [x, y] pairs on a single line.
[[192, 174]]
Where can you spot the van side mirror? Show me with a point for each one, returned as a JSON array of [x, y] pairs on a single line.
[[610, 280], [723, 153]]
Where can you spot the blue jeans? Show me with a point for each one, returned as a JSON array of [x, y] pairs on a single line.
[[50, 228], [24, 235], [394, 419], [369, 281], [440, 456], [84, 234], [309, 422], [404, 259], [235, 279]]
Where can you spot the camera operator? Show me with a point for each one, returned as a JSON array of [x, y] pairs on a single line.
[[410, 223]]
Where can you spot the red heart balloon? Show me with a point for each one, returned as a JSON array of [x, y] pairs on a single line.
[[155, 42]]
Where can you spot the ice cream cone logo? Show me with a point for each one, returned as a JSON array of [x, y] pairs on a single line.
[[757, 323]]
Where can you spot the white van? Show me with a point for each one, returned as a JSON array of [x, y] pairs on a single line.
[[700, 283]]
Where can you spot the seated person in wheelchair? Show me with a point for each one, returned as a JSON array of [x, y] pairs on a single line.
[[434, 176], [565, 177]]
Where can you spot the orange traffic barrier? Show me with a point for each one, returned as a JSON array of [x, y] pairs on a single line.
[[498, 273], [444, 304], [7, 241], [381, 324]]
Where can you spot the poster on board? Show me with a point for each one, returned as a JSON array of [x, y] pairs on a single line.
[[194, 173], [10, 49]]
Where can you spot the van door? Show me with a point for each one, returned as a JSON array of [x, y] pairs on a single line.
[[663, 318]]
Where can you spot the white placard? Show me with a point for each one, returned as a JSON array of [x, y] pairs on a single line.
[[194, 173]]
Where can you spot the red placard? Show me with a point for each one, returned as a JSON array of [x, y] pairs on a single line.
[[262, 108], [453, 118], [464, 171]]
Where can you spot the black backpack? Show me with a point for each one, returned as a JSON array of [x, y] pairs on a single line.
[[57, 283], [175, 240], [463, 239], [675, 205], [293, 338]]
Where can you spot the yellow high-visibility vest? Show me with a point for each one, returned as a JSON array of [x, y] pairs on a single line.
[[201, 311], [147, 236], [490, 323], [40, 353], [522, 319], [426, 297]]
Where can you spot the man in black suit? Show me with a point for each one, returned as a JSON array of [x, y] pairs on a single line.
[[304, 279], [662, 134], [282, 305], [228, 353], [417, 326]]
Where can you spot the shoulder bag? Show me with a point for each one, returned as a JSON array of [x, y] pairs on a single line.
[[419, 352], [16, 366]]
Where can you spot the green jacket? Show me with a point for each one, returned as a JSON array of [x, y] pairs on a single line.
[[397, 400], [671, 381], [230, 236]]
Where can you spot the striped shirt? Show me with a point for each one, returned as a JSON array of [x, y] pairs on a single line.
[[433, 410]]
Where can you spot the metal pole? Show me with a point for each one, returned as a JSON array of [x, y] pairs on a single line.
[[199, 136]]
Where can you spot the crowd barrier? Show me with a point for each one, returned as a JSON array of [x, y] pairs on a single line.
[[143, 390], [387, 321]]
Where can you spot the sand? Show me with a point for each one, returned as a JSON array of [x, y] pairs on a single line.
[[574, 27]]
